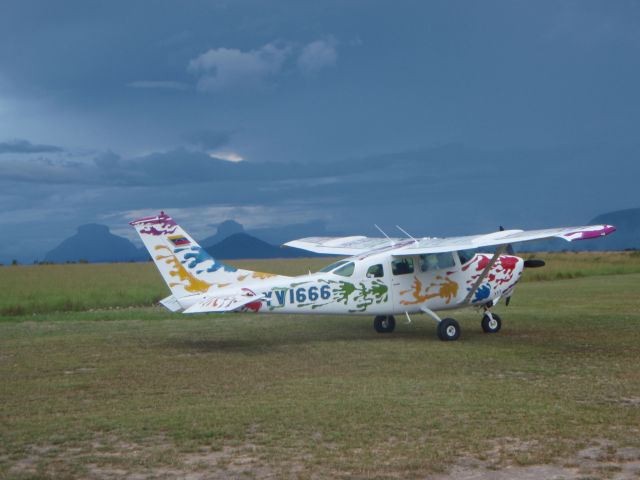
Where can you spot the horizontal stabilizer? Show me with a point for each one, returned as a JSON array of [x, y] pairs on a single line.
[[171, 303], [224, 303]]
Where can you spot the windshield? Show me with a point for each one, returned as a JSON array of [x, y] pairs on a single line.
[[466, 255], [334, 265], [345, 270]]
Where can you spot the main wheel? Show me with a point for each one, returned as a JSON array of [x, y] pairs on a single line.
[[384, 323], [491, 323], [448, 330]]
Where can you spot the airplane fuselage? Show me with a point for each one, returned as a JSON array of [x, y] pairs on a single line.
[[379, 284]]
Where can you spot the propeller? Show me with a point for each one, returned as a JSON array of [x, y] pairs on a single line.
[[534, 263]]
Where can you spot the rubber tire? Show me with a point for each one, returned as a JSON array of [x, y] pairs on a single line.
[[491, 327], [384, 323], [448, 330]]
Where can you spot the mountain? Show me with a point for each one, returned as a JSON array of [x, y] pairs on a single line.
[[627, 223], [626, 236], [242, 245], [284, 233], [94, 243], [273, 235], [225, 229]]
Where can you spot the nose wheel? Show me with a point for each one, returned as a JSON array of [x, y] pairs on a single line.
[[491, 322], [384, 323]]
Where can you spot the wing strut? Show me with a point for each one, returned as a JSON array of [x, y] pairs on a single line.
[[499, 251]]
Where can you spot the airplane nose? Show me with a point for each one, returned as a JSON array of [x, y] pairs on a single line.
[[534, 263]]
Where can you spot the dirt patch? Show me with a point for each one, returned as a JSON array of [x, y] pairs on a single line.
[[109, 457], [601, 460]]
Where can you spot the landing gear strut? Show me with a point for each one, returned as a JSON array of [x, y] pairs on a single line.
[[384, 323]]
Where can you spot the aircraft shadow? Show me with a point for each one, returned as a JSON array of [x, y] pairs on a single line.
[[257, 344]]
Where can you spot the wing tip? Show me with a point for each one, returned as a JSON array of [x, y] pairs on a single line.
[[587, 233]]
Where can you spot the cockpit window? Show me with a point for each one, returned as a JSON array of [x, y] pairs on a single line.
[[402, 266], [466, 255], [333, 266], [346, 270]]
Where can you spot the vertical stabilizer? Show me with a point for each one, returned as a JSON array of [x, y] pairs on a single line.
[[184, 265]]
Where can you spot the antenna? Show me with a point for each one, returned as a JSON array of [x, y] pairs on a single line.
[[382, 232], [406, 233]]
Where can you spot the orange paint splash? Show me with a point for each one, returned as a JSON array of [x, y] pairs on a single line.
[[446, 288]]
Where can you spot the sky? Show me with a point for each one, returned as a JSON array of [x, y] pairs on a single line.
[[443, 117]]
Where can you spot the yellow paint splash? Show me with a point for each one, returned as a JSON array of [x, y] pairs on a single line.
[[447, 288], [262, 275], [193, 284]]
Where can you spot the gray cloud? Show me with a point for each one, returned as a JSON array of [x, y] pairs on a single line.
[[208, 139], [225, 68], [159, 84], [318, 55], [229, 68], [24, 146]]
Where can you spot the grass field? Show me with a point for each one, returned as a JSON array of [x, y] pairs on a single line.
[[143, 393]]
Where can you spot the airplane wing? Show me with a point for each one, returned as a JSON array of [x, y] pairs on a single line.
[[223, 303], [339, 245], [405, 246]]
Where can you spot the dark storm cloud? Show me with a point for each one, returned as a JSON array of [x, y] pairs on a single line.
[[208, 139], [24, 146]]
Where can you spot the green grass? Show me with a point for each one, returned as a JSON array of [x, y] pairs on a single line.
[[144, 391], [80, 287]]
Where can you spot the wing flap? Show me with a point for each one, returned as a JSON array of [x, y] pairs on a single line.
[[441, 245], [353, 245]]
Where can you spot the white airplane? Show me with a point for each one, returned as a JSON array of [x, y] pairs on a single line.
[[381, 276]]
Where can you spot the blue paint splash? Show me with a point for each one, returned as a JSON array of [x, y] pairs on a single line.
[[198, 255], [482, 293]]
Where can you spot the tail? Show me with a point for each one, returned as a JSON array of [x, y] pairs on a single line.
[[184, 265]]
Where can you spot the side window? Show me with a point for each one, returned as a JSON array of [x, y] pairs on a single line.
[[446, 260], [428, 262], [375, 271], [436, 261], [402, 266], [345, 270]]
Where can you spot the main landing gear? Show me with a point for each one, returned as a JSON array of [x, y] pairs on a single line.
[[384, 323], [448, 328]]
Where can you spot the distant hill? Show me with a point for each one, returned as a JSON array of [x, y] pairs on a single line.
[[627, 223], [242, 245], [273, 235], [225, 230], [94, 243], [626, 236]]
